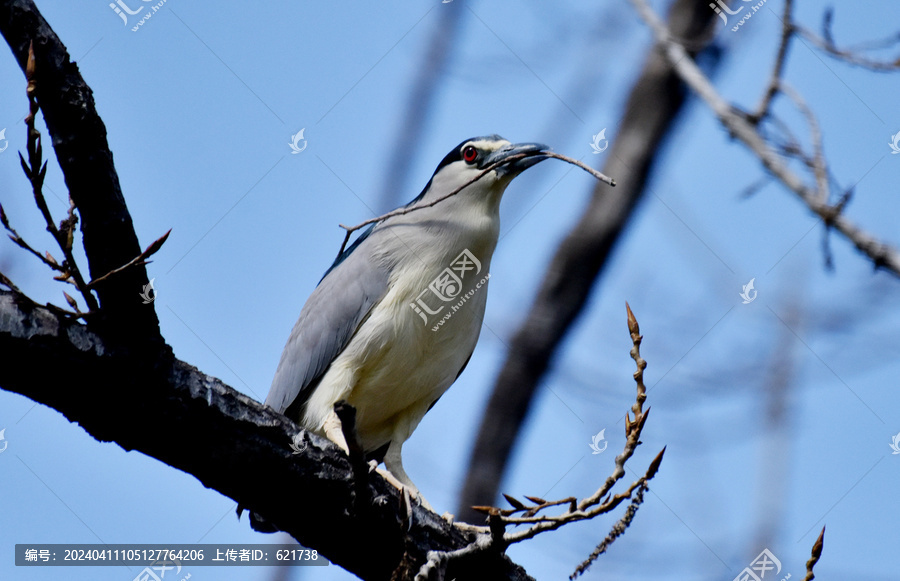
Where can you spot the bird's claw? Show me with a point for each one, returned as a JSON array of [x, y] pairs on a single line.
[[414, 493]]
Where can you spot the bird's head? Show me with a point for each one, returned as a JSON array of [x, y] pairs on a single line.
[[470, 158]]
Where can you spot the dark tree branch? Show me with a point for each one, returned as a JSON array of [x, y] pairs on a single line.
[[79, 140], [654, 103], [164, 407], [173, 412], [169, 410]]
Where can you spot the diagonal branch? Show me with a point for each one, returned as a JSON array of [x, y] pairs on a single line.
[[655, 102], [232, 444], [36, 169], [851, 56], [787, 33], [79, 139], [882, 255]]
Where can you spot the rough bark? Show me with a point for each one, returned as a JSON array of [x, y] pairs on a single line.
[[118, 379], [79, 140], [173, 412], [653, 105]]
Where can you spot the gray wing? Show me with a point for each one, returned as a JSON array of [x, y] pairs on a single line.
[[354, 284]]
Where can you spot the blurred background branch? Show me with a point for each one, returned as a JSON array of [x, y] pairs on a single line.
[[655, 101], [741, 125]]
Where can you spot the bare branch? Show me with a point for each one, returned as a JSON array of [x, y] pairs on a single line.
[[139, 260], [82, 150], [4, 280], [617, 531], [787, 33], [19, 241], [852, 56], [229, 442], [881, 254], [64, 234], [814, 558], [817, 162], [655, 101], [495, 539], [601, 501]]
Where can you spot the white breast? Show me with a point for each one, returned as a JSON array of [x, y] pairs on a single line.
[[416, 339]]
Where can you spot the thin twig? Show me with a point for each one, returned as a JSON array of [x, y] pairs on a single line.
[[14, 236], [617, 531], [600, 176], [407, 209], [814, 558], [851, 56], [595, 504], [20, 296], [4, 280], [494, 537], [36, 171], [787, 32], [636, 338], [139, 260], [881, 254], [817, 163]]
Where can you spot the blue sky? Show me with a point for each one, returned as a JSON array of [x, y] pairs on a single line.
[[200, 104]]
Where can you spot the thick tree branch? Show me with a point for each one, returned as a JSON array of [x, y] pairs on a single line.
[[655, 101], [79, 139], [171, 411], [164, 407]]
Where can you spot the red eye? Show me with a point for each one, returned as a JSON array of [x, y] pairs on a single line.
[[469, 154]]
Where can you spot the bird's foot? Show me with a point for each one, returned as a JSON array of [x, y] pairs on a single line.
[[414, 493]]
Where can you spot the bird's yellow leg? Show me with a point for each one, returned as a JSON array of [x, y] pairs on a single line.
[[396, 475], [333, 431]]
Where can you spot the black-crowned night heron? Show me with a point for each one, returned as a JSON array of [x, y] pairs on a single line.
[[395, 319]]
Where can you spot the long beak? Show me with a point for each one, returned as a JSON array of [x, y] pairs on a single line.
[[533, 151]]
